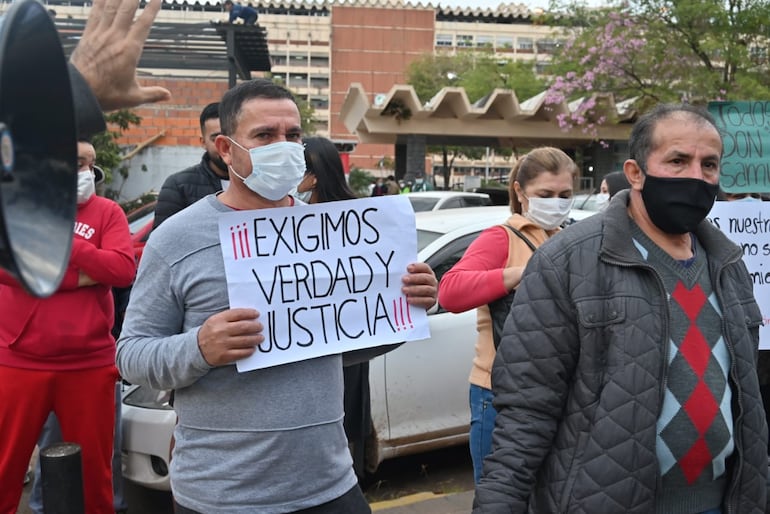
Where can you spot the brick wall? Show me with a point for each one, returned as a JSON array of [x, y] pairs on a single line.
[[373, 46], [179, 117]]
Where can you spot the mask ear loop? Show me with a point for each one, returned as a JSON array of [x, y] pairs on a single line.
[[230, 166]]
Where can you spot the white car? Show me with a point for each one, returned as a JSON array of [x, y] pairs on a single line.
[[419, 391], [587, 202], [441, 200], [148, 425]]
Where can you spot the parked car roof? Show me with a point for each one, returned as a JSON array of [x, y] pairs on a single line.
[[140, 222], [587, 202], [437, 200], [433, 224]]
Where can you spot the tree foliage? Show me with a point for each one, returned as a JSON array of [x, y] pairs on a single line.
[[306, 110], [307, 115], [661, 51], [359, 181], [479, 73], [108, 153]]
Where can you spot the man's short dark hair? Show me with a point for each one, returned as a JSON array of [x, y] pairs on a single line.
[[210, 112], [640, 142], [233, 100], [228, 2]]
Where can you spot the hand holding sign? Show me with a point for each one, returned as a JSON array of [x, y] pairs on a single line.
[[420, 285], [327, 278], [229, 336]]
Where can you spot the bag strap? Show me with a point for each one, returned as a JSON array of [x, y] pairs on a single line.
[[521, 236]]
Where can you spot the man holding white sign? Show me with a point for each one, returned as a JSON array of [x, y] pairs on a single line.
[[325, 277], [270, 440]]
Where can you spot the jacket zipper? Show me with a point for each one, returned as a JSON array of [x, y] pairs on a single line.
[[664, 364], [738, 421]]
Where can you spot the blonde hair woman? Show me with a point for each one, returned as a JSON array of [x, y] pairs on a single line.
[[540, 189]]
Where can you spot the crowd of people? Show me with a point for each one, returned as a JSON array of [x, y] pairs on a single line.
[[616, 359]]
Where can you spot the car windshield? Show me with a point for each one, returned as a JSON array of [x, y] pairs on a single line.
[[426, 237], [586, 202], [420, 204], [139, 222]]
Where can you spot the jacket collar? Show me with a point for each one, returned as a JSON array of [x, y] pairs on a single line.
[[616, 230]]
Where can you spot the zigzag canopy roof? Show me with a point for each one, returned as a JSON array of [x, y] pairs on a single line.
[[498, 119], [504, 11]]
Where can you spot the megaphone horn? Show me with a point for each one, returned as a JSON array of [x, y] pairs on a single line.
[[38, 150]]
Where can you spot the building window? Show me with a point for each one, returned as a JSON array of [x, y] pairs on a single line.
[[319, 62], [319, 82], [319, 103], [758, 53], [546, 46], [464, 40], [525, 44], [298, 81], [541, 68], [504, 42], [485, 41], [444, 40], [297, 60]]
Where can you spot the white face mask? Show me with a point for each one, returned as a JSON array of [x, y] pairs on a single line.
[[602, 200], [548, 213], [305, 197], [302, 197], [275, 168], [86, 185]]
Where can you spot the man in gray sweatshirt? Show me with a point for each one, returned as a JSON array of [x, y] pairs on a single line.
[[267, 441]]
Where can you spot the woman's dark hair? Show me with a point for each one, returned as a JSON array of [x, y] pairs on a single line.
[[529, 166], [323, 161], [616, 181]]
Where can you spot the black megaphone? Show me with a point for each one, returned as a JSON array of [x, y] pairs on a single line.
[[38, 150]]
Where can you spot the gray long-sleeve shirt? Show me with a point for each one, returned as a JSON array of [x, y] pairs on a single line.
[[268, 441]]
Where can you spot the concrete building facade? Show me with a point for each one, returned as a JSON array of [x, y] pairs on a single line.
[[319, 49]]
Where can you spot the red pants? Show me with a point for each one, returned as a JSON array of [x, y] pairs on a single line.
[[84, 402]]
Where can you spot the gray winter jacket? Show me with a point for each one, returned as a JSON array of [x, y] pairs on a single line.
[[579, 377]]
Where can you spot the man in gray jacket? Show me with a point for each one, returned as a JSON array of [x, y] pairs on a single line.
[[626, 379], [269, 441]]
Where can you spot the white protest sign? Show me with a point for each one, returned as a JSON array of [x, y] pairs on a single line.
[[747, 224], [326, 278]]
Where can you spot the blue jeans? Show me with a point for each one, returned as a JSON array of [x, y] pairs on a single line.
[[51, 433], [712, 511], [482, 423]]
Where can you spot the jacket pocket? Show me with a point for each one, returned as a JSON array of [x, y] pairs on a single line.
[[752, 316], [602, 326], [600, 312]]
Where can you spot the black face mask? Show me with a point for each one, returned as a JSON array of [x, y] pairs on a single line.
[[677, 205]]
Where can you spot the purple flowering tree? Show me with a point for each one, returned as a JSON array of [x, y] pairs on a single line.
[[657, 51]]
